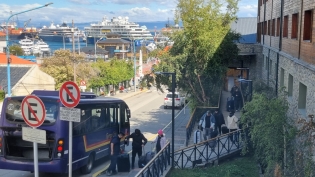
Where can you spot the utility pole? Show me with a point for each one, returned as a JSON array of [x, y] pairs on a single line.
[[73, 52]]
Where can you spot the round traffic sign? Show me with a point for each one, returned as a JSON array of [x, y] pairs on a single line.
[[33, 111], [69, 94], [82, 83]]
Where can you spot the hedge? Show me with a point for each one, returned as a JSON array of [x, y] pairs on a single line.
[[2, 94]]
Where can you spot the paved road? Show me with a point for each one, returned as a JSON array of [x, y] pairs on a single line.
[[147, 114]]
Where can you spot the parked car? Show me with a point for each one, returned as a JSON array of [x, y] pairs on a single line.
[[179, 100]]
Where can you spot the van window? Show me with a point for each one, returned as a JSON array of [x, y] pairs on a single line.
[[169, 95]]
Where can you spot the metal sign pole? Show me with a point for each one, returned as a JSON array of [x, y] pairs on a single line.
[[35, 149], [70, 148]]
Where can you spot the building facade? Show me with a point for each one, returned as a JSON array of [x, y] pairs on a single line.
[[287, 34]]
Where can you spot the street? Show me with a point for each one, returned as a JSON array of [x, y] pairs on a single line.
[[147, 114]]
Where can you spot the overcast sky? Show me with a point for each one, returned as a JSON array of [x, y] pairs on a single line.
[[94, 10]]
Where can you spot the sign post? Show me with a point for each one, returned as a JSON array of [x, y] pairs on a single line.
[[34, 113], [83, 85], [69, 95]]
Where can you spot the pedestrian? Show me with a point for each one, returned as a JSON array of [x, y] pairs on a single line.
[[232, 126], [114, 152], [160, 141], [138, 142], [219, 120], [207, 122], [238, 98], [233, 90]]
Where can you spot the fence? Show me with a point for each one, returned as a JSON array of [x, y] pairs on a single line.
[[158, 165], [210, 151]]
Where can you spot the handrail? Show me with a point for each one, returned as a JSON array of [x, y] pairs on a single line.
[[210, 150], [190, 126], [157, 165]]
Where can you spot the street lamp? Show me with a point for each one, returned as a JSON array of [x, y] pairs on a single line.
[[7, 49], [95, 47], [135, 65], [173, 108]]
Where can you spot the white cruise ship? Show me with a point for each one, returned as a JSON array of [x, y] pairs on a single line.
[[120, 25], [61, 33]]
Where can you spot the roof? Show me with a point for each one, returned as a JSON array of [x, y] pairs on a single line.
[[91, 50], [16, 73], [14, 60], [114, 41], [247, 27]]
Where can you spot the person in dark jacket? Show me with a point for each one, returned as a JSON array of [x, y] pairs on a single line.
[[238, 98], [219, 119], [114, 152], [138, 142]]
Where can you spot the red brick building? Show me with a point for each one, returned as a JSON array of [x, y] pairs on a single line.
[[286, 32]]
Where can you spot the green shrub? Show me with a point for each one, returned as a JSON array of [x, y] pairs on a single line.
[[2, 94]]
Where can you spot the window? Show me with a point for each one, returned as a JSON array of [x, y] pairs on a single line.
[[295, 24], [302, 98], [269, 27], [307, 33], [281, 77], [290, 86], [278, 27], [265, 28], [285, 26], [259, 29], [273, 30]]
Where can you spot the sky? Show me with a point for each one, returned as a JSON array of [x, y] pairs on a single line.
[[93, 10]]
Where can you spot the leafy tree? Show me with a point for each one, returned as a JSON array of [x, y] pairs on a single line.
[[61, 67], [266, 119], [112, 73], [202, 50], [16, 50]]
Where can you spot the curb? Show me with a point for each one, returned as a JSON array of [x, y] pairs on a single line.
[[131, 95]]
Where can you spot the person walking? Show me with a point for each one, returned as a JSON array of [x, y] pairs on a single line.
[[207, 122], [219, 120], [232, 126], [114, 152], [238, 98], [138, 142], [160, 141]]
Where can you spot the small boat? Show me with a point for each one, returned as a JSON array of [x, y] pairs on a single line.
[[41, 46]]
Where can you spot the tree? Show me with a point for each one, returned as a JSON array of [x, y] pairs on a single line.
[[16, 50], [268, 128], [112, 73], [202, 50], [61, 67]]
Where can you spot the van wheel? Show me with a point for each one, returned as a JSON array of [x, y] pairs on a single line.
[[87, 168]]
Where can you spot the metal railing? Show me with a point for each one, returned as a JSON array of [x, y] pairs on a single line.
[[190, 126], [158, 165], [209, 151]]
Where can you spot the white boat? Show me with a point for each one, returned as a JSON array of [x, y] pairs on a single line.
[[120, 25], [41, 47], [27, 45], [60, 33]]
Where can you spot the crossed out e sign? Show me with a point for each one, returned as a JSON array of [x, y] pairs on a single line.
[[33, 111], [69, 94]]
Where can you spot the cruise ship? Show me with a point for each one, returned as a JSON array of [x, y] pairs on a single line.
[[60, 33], [120, 25]]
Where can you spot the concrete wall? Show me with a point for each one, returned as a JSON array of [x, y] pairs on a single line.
[[34, 79]]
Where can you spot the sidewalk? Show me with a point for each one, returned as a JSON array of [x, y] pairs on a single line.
[[129, 94], [180, 122]]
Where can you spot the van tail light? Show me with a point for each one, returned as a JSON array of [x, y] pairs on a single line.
[[60, 147], [177, 99], [165, 98]]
